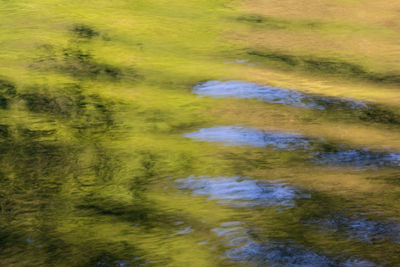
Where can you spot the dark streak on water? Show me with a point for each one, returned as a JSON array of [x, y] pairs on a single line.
[[358, 227], [324, 66], [362, 157]]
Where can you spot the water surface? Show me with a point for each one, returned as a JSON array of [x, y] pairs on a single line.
[[239, 89], [361, 228], [93, 174], [322, 152], [239, 191], [238, 135]]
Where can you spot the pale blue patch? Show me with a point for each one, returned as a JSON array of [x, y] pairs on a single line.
[[239, 89], [237, 135], [239, 192]]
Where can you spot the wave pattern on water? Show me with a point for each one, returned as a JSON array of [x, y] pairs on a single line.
[[361, 228], [242, 247], [339, 155], [236, 191], [358, 158], [237, 135], [239, 89]]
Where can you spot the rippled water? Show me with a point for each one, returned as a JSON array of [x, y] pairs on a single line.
[[237, 135], [107, 162], [281, 253], [244, 248], [239, 191], [238, 89], [361, 228], [245, 245], [359, 158], [338, 155]]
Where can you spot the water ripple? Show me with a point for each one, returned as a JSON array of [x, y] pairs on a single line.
[[236, 191], [242, 247], [238, 135], [239, 89]]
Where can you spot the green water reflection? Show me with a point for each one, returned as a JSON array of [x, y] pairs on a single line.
[[95, 169]]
